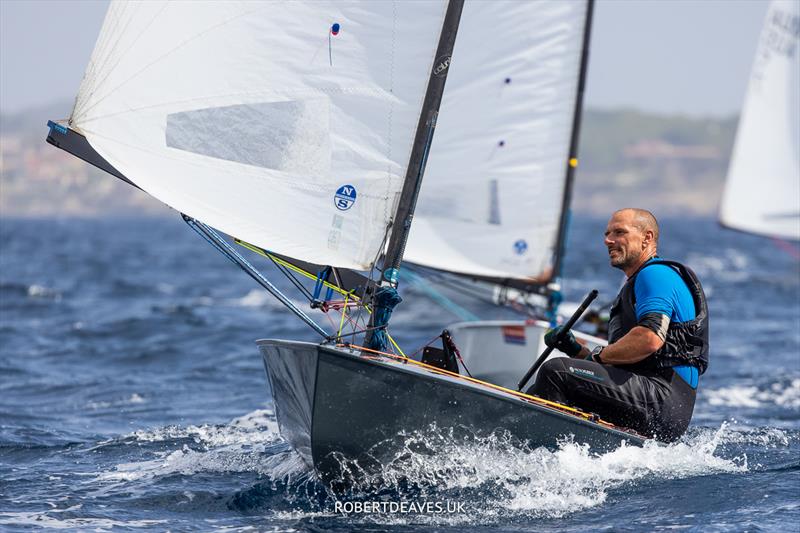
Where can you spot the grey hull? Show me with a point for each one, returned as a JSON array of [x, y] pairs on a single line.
[[333, 404]]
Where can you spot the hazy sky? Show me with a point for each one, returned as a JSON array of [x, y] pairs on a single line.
[[685, 56]]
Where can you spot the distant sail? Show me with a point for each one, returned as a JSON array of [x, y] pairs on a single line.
[[762, 192], [491, 202], [285, 124]]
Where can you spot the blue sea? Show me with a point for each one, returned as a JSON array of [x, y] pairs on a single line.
[[132, 397]]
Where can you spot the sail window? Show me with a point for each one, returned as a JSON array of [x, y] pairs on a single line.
[[290, 136]]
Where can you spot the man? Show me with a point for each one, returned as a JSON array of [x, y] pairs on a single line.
[[646, 378]]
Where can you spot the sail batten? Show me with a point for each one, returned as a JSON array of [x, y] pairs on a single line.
[[285, 124]]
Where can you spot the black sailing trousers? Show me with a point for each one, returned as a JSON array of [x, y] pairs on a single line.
[[657, 404]]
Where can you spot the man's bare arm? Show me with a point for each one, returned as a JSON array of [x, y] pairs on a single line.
[[635, 346]]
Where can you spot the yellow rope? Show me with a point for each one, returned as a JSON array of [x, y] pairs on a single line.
[[309, 275], [294, 268], [396, 347], [347, 295], [522, 395]]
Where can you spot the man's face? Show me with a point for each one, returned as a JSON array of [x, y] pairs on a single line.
[[624, 240]]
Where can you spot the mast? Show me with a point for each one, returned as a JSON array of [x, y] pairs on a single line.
[[422, 143], [401, 226], [572, 160]]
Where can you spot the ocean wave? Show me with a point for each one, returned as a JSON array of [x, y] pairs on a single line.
[[505, 478], [783, 393], [133, 399], [249, 443], [51, 519], [496, 479], [262, 299], [731, 265], [258, 427], [33, 291]]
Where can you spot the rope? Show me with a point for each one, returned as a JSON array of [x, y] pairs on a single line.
[[344, 313], [521, 395], [293, 268]]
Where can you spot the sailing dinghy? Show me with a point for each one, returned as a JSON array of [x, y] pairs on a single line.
[[762, 191], [302, 131]]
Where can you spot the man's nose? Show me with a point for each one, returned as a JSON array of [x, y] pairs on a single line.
[[607, 240]]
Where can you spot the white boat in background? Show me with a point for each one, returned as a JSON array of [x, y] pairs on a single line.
[[501, 351], [762, 191]]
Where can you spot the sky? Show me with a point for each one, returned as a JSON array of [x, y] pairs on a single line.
[[691, 57]]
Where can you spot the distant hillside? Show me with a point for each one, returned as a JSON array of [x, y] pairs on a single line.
[[669, 164]]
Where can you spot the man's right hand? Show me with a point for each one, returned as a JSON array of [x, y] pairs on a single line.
[[568, 344]]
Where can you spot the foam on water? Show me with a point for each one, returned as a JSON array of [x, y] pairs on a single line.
[[40, 291], [133, 399], [783, 394], [731, 265], [497, 478], [46, 519], [261, 298], [258, 427], [238, 446]]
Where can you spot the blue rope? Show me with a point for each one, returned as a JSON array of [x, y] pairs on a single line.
[[422, 284]]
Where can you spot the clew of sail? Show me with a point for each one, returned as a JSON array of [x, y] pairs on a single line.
[[493, 200], [762, 191], [288, 125]]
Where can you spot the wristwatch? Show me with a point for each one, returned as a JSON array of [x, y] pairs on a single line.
[[595, 356]]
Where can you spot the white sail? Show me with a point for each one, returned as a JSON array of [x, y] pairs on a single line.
[[762, 192], [286, 124], [492, 196]]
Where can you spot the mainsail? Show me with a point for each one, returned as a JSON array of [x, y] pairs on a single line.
[[762, 192], [288, 125], [498, 179]]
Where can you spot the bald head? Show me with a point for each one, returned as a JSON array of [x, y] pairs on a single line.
[[643, 219], [631, 238]]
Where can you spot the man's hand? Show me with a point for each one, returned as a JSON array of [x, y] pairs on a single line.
[[568, 344]]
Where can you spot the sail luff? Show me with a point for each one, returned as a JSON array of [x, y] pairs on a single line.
[[572, 161], [385, 297], [415, 170]]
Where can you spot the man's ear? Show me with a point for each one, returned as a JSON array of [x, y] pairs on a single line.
[[648, 237]]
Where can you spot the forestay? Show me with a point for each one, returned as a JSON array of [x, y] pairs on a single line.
[[286, 124], [762, 192], [491, 202]]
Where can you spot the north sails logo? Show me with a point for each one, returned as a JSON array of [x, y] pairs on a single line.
[[345, 197], [441, 66]]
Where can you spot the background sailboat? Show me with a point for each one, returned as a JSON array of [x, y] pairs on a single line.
[[762, 192], [494, 206]]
